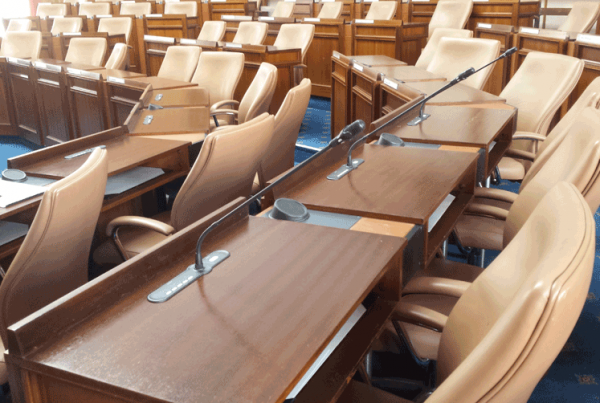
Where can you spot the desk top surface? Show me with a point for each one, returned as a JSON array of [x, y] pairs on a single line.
[[408, 73], [172, 121], [394, 183], [459, 94], [119, 73], [193, 96], [159, 83], [376, 61], [246, 332]]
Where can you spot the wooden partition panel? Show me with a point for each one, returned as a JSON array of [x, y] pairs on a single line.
[[7, 122], [218, 8], [122, 96], [173, 26], [340, 92], [364, 96], [532, 42], [328, 38], [393, 95], [155, 48], [303, 9], [24, 100], [89, 109], [501, 72], [590, 54]]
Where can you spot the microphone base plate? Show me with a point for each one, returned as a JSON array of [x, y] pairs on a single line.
[[344, 170], [187, 277], [418, 119]]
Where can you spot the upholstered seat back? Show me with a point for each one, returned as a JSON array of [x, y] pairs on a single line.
[[280, 154], [257, 98], [180, 62], [67, 24], [450, 14], [116, 26], [224, 170], [219, 73], [18, 25], [118, 57], [53, 259], [284, 9], [511, 323], [298, 36], [87, 51], [22, 44], [382, 10], [251, 33], [432, 44], [189, 8], [455, 55], [582, 17], [92, 9], [50, 9], [212, 31], [137, 9], [332, 10]]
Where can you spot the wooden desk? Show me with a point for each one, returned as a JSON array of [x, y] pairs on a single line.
[[7, 114], [144, 122], [154, 50], [171, 25], [159, 83], [536, 40], [89, 106], [303, 9], [177, 98], [501, 72], [122, 97], [209, 333], [460, 94], [587, 48], [218, 8]]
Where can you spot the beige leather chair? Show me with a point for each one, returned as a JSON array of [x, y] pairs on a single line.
[[284, 9], [251, 33], [18, 25], [256, 100], [219, 73], [455, 55], [179, 62], [91, 9], [67, 24], [53, 259], [295, 36], [212, 31], [87, 51], [582, 17], [280, 154], [450, 14], [116, 26], [382, 10], [510, 324], [137, 9], [430, 49], [223, 172], [22, 44], [537, 102], [118, 57], [50, 9], [189, 8], [332, 10]]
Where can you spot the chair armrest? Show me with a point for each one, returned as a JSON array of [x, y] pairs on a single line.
[[142, 222], [520, 154], [217, 112], [437, 286], [485, 210], [220, 104], [495, 194], [420, 316], [528, 136]]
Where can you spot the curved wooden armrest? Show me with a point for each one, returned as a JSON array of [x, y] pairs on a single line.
[[220, 104], [520, 154], [143, 222], [495, 194], [485, 210], [437, 286], [420, 316], [528, 136]]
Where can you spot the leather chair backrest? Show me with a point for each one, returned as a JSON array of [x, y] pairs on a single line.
[[382, 10], [582, 17], [510, 324], [259, 94], [432, 44], [575, 160], [53, 259], [50, 9], [189, 8], [455, 55], [589, 98], [223, 171], [22, 44], [180, 62], [450, 14], [251, 33], [118, 57], [284, 9], [529, 89], [18, 25], [66, 24], [332, 10], [219, 73], [137, 9], [212, 31], [92, 9], [116, 26], [280, 154], [295, 36], [87, 51]]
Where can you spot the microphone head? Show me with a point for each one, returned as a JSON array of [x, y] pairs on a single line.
[[466, 74], [510, 51], [352, 130]]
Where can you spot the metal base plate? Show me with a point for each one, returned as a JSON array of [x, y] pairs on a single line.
[[344, 170], [418, 119], [187, 277]]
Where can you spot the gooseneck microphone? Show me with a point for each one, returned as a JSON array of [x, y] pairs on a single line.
[[205, 265], [353, 164]]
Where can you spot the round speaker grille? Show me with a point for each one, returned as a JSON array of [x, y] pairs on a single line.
[[289, 210], [14, 175]]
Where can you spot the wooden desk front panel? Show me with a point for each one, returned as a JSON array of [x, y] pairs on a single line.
[[401, 42], [526, 43], [53, 101], [155, 52], [230, 30], [590, 54], [303, 9], [121, 99], [327, 39], [47, 48], [172, 26], [25, 103], [230, 7], [364, 100], [89, 109], [7, 123], [501, 72], [340, 95]]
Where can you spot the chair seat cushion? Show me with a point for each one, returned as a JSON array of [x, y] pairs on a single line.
[[445, 268], [511, 169], [480, 232]]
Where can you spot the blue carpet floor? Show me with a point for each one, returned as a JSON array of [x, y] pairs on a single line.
[[11, 146]]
